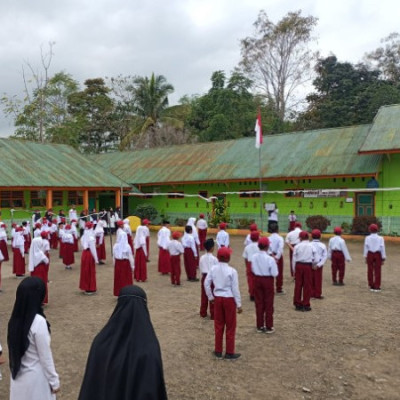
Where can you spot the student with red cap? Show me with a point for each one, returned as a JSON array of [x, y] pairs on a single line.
[[292, 239], [222, 238], [226, 299], [316, 273], [375, 255], [338, 254], [207, 261], [248, 252], [264, 269], [190, 255], [252, 228], [202, 227], [276, 250], [303, 257], [175, 250]]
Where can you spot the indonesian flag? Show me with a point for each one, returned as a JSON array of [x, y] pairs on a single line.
[[258, 129]]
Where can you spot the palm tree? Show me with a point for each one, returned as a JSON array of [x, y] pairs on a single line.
[[150, 105]]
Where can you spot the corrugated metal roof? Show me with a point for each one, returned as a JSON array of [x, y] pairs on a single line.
[[25, 163], [384, 136], [327, 152]]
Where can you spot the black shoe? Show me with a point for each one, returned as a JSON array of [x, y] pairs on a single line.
[[217, 355], [299, 308], [252, 298], [306, 308], [101, 262], [232, 357], [341, 283], [335, 284]]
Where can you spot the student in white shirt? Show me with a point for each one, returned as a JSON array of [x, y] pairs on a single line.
[[248, 252], [202, 227], [291, 240], [163, 238], [276, 251], [207, 261], [303, 258], [222, 238], [265, 270], [227, 302], [338, 254], [175, 250], [375, 255], [316, 273], [190, 255]]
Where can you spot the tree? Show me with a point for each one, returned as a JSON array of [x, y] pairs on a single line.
[[346, 94], [93, 112], [227, 111], [278, 60], [148, 106], [43, 109], [387, 59]]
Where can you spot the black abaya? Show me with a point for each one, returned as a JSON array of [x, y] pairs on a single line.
[[124, 361]]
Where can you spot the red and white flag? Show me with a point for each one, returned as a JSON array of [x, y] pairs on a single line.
[[258, 129]]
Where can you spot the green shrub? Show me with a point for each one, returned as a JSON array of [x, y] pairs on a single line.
[[318, 222], [180, 222], [146, 210], [361, 224], [243, 223], [220, 213]]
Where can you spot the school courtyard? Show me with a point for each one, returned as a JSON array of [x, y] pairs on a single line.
[[348, 347]]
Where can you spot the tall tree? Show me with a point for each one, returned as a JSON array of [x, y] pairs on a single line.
[[345, 94], [387, 58], [149, 103], [93, 110], [278, 58]]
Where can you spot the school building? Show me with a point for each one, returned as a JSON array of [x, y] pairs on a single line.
[[339, 173], [316, 169]]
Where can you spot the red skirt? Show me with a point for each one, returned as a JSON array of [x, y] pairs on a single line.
[[202, 237], [190, 263], [18, 262], [148, 246], [101, 249], [76, 246], [87, 280], [53, 240], [164, 261], [4, 250], [140, 273], [122, 275], [41, 271], [130, 242], [68, 254]]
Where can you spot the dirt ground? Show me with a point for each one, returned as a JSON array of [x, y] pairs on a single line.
[[348, 347]]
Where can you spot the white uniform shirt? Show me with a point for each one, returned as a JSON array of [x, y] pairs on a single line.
[[263, 264], [222, 239], [304, 252], [37, 374], [293, 236], [188, 242], [201, 224], [337, 243], [163, 237], [321, 253], [175, 247], [72, 214], [248, 240], [140, 238], [250, 250], [374, 243], [276, 245], [273, 216], [206, 262], [226, 283]]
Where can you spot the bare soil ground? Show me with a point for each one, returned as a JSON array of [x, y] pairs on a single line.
[[348, 347]]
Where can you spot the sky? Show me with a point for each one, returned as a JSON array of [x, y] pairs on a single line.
[[184, 40]]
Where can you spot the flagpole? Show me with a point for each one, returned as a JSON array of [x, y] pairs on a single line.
[[260, 185]]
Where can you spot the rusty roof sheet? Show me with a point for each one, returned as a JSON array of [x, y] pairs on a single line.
[[384, 136], [29, 164], [325, 152]]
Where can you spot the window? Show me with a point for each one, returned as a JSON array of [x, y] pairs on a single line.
[[175, 195], [296, 193], [57, 198], [75, 197], [203, 193], [245, 193], [12, 198], [38, 198]]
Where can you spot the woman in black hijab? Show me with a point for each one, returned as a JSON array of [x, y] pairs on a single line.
[[33, 375], [124, 361]]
